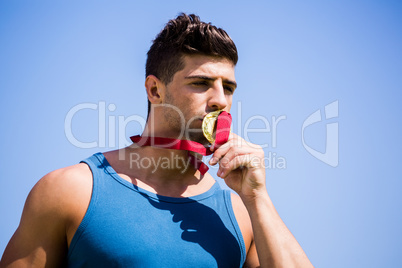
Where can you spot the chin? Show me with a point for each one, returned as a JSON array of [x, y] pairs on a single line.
[[199, 138]]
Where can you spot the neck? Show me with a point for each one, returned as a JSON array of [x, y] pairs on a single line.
[[164, 164], [163, 171]]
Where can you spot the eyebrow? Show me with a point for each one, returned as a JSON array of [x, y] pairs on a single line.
[[226, 81]]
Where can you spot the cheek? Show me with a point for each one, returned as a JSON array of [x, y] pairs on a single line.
[[190, 101], [229, 101]]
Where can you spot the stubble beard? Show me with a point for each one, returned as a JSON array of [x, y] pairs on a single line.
[[177, 126]]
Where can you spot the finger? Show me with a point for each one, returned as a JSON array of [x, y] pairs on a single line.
[[223, 151], [232, 136], [237, 162], [234, 142], [230, 155], [219, 153]]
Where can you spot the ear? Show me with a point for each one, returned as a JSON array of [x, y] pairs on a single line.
[[155, 89]]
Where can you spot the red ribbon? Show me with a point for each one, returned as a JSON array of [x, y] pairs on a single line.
[[222, 135]]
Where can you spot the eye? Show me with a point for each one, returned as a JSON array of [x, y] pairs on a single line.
[[229, 89], [200, 83]]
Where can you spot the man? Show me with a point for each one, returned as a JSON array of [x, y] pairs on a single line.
[[113, 210]]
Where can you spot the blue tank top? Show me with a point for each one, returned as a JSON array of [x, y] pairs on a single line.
[[126, 226]]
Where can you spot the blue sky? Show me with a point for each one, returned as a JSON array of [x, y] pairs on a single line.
[[296, 57]]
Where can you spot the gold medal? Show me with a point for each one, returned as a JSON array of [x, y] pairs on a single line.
[[208, 125]]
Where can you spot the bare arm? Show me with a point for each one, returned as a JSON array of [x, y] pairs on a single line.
[[276, 246], [242, 168], [41, 238]]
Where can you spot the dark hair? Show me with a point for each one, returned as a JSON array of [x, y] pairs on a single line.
[[186, 35]]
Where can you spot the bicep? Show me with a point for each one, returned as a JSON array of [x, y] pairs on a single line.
[[22, 251]]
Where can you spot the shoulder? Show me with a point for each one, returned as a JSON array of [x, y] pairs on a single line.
[[61, 195], [244, 222], [64, 178], [239, 208], [58, 187], [243, 219], [61, 198], [51, 210]]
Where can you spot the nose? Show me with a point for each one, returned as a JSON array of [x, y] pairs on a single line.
[[218, 99]]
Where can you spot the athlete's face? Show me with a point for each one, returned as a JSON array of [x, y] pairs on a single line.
[[204, 85]]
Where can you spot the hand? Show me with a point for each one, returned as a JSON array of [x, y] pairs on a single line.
[[241, 165]]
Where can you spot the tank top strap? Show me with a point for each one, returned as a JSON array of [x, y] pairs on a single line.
[[95, 164]]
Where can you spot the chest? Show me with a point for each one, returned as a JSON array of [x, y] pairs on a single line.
[[141, 232]]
